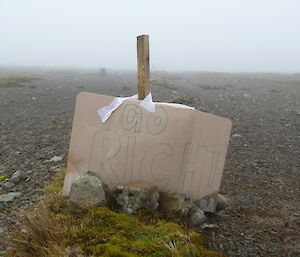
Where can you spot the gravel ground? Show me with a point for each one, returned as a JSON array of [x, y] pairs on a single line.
[[262, 171]]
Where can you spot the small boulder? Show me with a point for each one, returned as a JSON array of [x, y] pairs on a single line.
[[207, 203], [222, 202], [173, 204], [212, 203], [9, 196], [87, 192], [18, 176], [136, 195], [196, 216]]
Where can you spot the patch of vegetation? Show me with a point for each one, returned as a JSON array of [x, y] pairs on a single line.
[[275, 91], [4, 177], [209, 87], [212, 75], [244, 89], [125, 88], [15, 80], [186, 100], [63, 72], [228, 86], [164, 75], [161, 83], [271, 81], [56, 229]]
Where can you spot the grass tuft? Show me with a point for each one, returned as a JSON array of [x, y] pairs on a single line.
[[15, 80]]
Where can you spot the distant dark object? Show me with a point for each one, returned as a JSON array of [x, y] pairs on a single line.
[[103, 72]]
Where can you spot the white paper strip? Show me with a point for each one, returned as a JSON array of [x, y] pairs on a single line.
[[106, 111]]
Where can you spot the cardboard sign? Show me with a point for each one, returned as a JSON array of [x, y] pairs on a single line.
[[177, 149]]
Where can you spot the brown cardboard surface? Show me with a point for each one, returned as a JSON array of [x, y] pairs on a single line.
[[177, 149]]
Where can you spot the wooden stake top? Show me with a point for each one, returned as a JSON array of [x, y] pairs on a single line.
[[143, 63]]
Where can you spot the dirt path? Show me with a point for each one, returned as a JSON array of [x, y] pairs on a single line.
[[262, 170]]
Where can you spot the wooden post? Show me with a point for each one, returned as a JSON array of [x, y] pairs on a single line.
[[143, 62]]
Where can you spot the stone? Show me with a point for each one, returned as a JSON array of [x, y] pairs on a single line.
[[222, 202], [87, 192], [56, 159], [2, 229], [173, 204], [18, 176], [55, 168], [132, 196], [236, 135], [207, 203], [9, 196], [209, 226], [196, 216], [247, 96]]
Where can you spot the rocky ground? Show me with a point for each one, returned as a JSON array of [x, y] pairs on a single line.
[[262, 171]]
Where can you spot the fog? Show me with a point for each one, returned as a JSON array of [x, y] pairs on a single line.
[[196, 35]]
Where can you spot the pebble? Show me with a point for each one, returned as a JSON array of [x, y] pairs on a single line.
[[2, 229], [56, 159], [209, 226], [236, 135], [18, 176], [55, 168], [246, 95]]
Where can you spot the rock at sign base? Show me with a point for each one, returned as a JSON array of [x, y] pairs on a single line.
[[136, 195], [222, 202], [212, 204], [87, 192], [196, 216], [173, 203]]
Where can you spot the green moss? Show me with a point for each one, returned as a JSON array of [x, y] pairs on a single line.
[[103, 232], [209, 87], [161, 83], [4, 177], [187, 100]]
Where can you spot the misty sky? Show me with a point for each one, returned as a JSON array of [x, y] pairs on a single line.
[[198, 35]]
